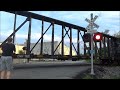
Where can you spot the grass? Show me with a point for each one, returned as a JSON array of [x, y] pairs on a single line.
[[115, 77], [85, 75], [89, 61], [88, 77]]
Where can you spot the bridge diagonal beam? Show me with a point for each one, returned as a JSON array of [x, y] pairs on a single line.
[[15, 19], [16, 30], [61, 40], [40, 37], [72, 42], [81, 35], [85, 46]]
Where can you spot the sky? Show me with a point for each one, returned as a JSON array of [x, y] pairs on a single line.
[[107, 20]]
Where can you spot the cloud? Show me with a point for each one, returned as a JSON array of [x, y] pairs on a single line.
[[107, 20]]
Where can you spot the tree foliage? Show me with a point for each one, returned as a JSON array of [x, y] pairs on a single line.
[[117, 34]]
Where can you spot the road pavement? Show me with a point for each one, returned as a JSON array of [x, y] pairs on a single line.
[[49, 70]]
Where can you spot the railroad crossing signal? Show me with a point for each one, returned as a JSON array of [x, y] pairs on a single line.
[[97, 37], [91, 31], [86, 37], [95, 18], [91, 22]]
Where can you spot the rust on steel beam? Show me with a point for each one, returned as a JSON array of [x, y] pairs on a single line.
[[15, 30], [78, 42], [52, 43], [47, 19], [15, 18], [62, 50], [41, 50]]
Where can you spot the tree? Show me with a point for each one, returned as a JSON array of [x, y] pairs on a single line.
[[21, 52], [117, 34]]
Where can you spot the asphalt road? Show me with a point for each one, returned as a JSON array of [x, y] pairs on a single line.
[[64, 70]]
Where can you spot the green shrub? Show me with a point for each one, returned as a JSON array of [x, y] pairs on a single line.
[[21, 52]]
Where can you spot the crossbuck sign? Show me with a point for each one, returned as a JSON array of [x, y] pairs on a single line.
[[91, 22]]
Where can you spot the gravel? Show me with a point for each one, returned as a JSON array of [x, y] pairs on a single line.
[[101, 72]]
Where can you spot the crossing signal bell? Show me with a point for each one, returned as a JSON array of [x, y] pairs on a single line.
[[98, 37]]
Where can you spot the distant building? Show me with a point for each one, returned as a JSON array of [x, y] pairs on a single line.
[[47, 48]]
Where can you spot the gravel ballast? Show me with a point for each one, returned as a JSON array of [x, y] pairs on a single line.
[[101, 72]]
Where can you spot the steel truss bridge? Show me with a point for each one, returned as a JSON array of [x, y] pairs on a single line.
[[104, 50]]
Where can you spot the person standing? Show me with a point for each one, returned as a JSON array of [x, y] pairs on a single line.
[[6, 59]]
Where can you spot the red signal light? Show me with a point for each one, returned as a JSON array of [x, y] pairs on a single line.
[[98, 37], [86, 37]]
